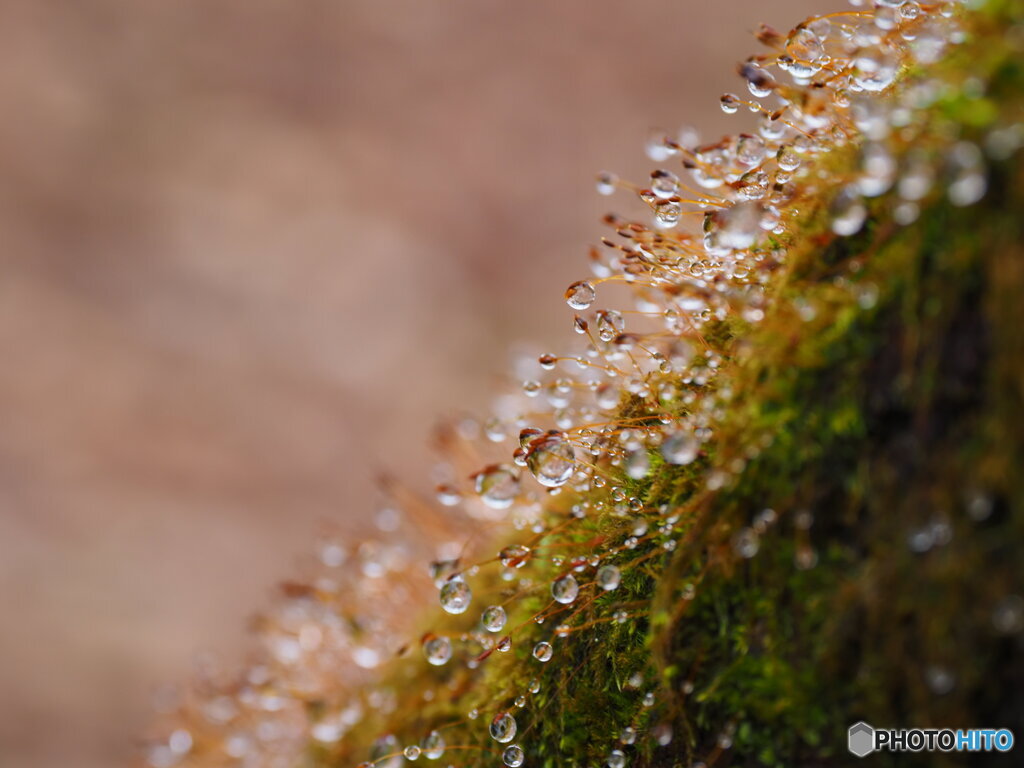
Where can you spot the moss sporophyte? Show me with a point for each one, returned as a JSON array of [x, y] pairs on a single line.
[[774, 491]]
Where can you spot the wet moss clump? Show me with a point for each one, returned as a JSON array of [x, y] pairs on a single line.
[[794, 501]]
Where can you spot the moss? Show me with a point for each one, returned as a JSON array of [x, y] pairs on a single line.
[[838, 551]]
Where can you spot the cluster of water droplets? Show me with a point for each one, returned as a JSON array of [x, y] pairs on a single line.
[[645, 386]]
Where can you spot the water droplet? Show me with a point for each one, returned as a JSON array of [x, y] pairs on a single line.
[[805, 46], [746, 543], [448, 495], [967, 178], [606, 183], [680, 448], [628, 735], [512, 756], [609, 324], [608, 577], [438, 650], [664, 184], [552, 459], [638, 464], [580, 295], [542, 651], [662, 734], [514, 555], [788, 159], [565, 589], [456, 595], [497, 485], [750, 150], [667, 213], [433, 745], [503, 728], [493, 618], [1008, 615], [940, 680], [616, 759], [442, 570], [412, 752], [848, 213], [732, 229], [504, 645]]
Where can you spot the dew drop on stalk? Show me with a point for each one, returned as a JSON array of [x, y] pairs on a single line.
[[608, 577], [543, 651], [552, 459], [609, 324], [788, 159], [668, 212], [565, 589], [664, 184], [606, 183], [493, 618], [804, 45], [497, 486], [437, 650], [730, 103], [503, 727], [412, 752], [434, 745], [580, 295], [514, 555], [512, 756], [456, 595], [616, 759]]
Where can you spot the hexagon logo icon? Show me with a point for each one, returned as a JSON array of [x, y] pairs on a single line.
[[861, 739]]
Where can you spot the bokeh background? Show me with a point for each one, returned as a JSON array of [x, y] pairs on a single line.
[[251, 253]]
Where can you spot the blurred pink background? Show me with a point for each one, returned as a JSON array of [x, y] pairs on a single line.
[[252, 252]]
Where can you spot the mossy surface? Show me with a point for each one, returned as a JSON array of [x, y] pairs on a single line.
[[878, 412]]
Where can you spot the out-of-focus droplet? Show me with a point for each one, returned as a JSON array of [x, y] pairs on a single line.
[[456, 595], [438, 650], [848, 213], [497, 485], [493, 618], [680, 448], [608, 577]]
